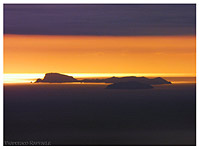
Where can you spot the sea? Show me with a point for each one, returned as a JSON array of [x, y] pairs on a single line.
[[65, 114]]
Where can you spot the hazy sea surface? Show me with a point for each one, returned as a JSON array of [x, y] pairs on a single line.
[[89, 114]]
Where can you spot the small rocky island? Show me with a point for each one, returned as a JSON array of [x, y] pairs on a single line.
[[131, 82], [56, 78]]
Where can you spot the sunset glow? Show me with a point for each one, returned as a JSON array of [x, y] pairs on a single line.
[[99, 74], [103, 54]]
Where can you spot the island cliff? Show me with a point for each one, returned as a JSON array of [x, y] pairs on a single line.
[[56, 78], [117, 82]]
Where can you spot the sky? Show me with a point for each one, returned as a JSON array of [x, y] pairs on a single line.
[[114, 20], [100, 39]]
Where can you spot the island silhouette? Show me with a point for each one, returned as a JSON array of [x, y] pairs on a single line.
[[129, 85], [130, 82], [56, 78], [154, 81]]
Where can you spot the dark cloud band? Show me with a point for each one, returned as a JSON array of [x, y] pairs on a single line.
[[116, 20]]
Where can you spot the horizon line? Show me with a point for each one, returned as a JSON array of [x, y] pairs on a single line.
[[29, 77]]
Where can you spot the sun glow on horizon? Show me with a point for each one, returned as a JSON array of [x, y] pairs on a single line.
[[31, 77], [149, 56]]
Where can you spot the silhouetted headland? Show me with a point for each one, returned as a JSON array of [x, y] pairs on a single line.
[[56, 78], [131, 82], [129, 85]]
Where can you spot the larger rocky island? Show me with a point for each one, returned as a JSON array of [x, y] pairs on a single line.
[[131, 82], [154, 81]]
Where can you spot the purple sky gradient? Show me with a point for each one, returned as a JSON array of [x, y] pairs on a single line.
[[113, 20]]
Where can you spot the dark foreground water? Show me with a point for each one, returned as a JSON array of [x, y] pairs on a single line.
[[79, 114]]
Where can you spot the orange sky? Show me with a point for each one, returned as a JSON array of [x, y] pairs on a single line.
[[99, 54]]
